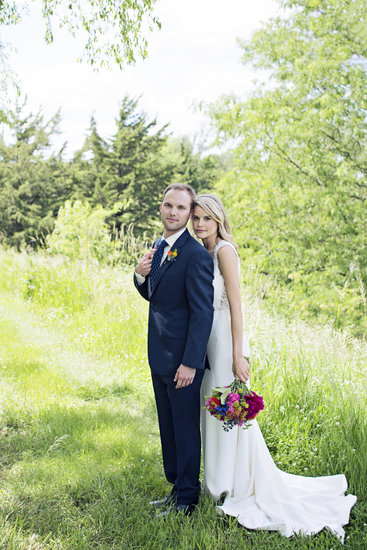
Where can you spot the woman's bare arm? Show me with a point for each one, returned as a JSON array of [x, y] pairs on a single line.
[[228, 265]]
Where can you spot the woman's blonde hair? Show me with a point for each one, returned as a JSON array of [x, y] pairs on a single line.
[[214, 207]]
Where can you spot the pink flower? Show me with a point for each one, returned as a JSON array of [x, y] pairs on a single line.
[[232, 397]]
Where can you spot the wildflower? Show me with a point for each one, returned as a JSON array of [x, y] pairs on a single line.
[[212, 403], [172, 255]]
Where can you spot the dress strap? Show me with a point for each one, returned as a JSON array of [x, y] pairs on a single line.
[[223, 243], [220, 245]]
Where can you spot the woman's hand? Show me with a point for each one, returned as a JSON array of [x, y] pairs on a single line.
[[241, 369]]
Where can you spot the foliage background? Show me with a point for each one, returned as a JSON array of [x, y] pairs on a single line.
[[294, 183], [297, 189]]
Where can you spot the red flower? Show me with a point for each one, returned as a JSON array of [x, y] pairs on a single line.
[[212, 403]]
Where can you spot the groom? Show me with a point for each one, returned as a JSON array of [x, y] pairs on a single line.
[[176, 276]]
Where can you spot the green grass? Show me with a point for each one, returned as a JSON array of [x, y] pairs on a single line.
[[79, 445]]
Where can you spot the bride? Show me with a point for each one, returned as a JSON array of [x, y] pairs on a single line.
[[237, 464]]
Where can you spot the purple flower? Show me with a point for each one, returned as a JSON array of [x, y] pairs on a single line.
[[255, 405]]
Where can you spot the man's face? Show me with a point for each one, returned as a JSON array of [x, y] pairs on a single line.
[[175, 211]]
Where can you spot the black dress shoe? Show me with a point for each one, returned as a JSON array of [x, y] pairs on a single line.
[[177, 509], [164, 502]]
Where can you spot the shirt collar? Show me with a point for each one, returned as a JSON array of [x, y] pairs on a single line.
[[173, 238]]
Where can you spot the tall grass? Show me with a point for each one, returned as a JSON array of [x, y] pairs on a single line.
[[80, 455]]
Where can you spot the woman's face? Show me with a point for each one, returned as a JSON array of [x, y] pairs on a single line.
[[203, 224]]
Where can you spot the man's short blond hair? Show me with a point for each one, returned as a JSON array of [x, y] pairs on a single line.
[[182, 187]]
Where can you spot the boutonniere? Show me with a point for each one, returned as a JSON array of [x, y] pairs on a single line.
[[172, 255]]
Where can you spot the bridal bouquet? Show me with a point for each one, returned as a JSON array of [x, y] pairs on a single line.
[[234, 405]]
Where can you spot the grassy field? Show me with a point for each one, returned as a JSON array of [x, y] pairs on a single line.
[[79, 449]]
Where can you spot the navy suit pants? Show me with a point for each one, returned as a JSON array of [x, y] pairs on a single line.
[[179, 426]]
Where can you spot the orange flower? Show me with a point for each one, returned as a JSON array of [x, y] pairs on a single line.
[[171, 255]]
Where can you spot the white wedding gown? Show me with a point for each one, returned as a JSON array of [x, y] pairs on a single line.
[[238, 464]]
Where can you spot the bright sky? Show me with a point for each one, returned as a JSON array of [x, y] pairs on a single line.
[[194, 57]]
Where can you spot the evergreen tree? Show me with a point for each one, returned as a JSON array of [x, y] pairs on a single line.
[[126, 173], [32, 185], [196, 169], [89, 171]]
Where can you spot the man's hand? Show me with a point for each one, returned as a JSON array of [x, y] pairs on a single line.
[[184, 376], [145, 264]]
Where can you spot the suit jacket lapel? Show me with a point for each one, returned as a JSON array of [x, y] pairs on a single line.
[[166, 264]]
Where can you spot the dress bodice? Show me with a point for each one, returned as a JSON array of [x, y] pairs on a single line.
[[220, 293]]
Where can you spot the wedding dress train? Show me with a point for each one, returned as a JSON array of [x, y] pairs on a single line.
[[238, 464]]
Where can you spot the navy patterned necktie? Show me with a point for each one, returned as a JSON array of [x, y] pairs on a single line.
[[156, 263]]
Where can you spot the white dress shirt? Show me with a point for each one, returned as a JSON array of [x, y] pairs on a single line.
[[170, 242]]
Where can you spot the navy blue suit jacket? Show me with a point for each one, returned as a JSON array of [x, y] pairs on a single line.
[[181, 308]]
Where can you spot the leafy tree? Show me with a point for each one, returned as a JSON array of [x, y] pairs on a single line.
[[298, 190], [9, 14], [114, 30], [80, 232], [32, 184]]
